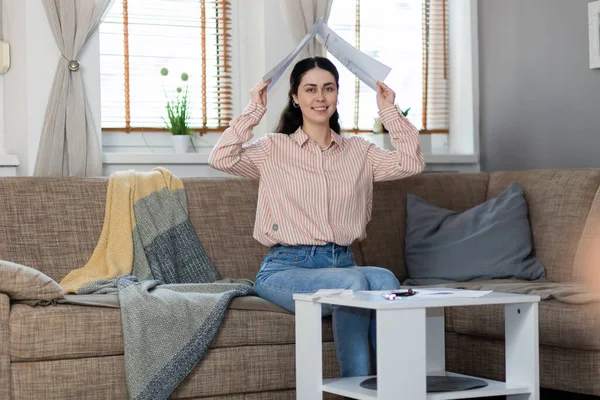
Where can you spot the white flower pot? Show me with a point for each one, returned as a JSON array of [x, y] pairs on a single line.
[[181, 143]]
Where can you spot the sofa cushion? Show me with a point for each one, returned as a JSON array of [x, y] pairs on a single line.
[[384, 245], [234, 373], [222, 212], [70, 331], [112, 300], [51, 224], [489, 241], [560, 324], [23, 283], [559, 204], [587, 258]]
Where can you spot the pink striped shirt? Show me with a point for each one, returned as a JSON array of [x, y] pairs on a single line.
[[312, 196]]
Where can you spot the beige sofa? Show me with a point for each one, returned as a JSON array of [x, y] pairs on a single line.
[[76, 352]]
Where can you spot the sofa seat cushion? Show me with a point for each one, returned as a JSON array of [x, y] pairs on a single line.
[[73, 331], [560, 324]]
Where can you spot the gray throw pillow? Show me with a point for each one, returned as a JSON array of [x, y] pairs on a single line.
[[489, 241]]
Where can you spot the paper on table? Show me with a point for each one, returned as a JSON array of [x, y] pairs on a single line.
[[444, 293], [366, 68]]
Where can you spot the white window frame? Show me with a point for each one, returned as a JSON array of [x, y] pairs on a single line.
[[464, 78]]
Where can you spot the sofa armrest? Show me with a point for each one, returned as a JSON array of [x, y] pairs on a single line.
[[4, 347]]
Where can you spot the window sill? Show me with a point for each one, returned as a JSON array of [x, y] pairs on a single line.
[[451, 158], [202, 158], [155, 158], [9, 160]]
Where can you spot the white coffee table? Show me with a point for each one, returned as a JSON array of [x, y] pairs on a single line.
[[410, 346]]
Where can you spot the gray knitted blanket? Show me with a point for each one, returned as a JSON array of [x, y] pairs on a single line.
[[173, 302]]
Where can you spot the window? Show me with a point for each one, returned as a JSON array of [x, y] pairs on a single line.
[[138, 38], [409, 36]]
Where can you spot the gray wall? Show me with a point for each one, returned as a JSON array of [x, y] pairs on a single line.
[[540, 102]]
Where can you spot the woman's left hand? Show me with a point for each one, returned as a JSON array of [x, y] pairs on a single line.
[[385, 96]]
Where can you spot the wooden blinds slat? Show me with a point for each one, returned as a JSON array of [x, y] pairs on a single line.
[[223, 72], [126, 66], [435, 116], [445, 37], [356, 80], [426, 26], [203, 62]]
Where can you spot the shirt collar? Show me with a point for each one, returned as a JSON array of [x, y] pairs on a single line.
[[301, 138]]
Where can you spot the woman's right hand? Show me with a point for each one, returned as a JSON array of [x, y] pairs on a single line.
[[258, 94]]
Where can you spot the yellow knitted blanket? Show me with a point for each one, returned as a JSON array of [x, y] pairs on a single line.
[[113, 255]]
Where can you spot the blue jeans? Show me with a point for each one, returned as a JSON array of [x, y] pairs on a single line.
[[306, 269]]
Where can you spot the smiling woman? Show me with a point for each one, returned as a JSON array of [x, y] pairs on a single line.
[[315, 195]]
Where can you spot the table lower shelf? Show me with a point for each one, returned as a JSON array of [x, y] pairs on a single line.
[[351, 387]]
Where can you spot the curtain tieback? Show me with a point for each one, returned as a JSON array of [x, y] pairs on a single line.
[[73, 65]]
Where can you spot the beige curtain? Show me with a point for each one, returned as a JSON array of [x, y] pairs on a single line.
[[69, 145], [300, 15]]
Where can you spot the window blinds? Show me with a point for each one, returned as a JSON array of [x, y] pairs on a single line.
[[410, 36], [139, 38]]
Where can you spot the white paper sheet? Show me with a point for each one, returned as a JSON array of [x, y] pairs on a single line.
[[445, 293], [366, 68], [276, 72]]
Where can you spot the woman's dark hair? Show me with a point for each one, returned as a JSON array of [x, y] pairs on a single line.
[[291, 117]]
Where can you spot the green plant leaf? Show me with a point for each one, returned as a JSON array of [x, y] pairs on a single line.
[[178, 114]]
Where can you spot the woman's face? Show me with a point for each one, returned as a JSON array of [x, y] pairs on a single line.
[[317, 96]]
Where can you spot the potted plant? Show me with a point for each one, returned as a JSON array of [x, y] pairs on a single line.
[[378, 125], [178, 116], [383, 141]]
